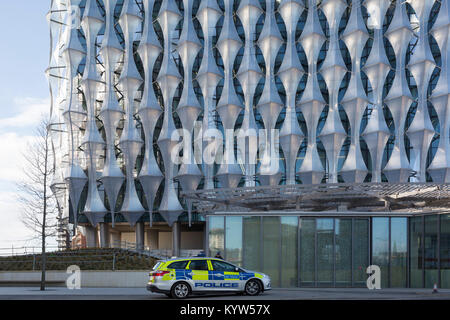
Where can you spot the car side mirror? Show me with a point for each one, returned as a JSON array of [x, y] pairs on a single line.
[[236, 269]]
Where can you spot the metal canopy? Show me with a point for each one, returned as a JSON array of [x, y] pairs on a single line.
[[320, 197]]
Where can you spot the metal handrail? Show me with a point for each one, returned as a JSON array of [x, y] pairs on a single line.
[[157, 253], [15, 251]]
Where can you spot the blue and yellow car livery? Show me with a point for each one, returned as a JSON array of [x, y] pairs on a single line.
[[202, 274]]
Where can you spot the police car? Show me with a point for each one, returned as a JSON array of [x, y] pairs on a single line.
[[180, 277]]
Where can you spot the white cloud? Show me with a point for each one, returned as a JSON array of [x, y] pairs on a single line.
[[12, 147], [29, 112], [16, 131], [13, 232]]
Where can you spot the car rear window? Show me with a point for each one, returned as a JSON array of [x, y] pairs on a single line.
[[178, 265], [156, 266]]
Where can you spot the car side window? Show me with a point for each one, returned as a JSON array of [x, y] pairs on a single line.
[[222, 266], [178, 265], [198, 265]]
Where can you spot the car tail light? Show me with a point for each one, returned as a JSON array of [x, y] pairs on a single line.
[[159, 273]]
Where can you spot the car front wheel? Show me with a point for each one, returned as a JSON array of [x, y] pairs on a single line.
[[180, 290], [252, 288]]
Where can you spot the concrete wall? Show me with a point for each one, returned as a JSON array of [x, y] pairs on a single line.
[[115, 237], [165, 240], [152, 239], [189, 240], [128, 236], [192, 240], [99, 279]]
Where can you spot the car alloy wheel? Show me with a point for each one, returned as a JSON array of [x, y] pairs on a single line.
[[180, 290], [252, 288]]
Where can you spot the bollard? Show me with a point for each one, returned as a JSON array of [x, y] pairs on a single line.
[[435, 289]]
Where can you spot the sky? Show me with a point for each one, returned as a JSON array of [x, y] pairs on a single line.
[[24, 99]]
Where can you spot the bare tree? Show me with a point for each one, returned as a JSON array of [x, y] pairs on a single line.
[[39, 208]]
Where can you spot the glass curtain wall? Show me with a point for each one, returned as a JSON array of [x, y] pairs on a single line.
[[360, 251], [307, 252], [334, 252], [252, 242], [271, 249], [389, 250], [431, 250], [304, 252], [399, 252], [233, 240], [325, 252], [416, 252], [343, 252], [216, 235], [289, 250], [445, 251], [429, 259], [380, 248]]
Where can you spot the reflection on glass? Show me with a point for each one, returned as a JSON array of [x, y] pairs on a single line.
[[343, 234], [431, 258], [307, 258], [271, 245], [216, 235], [398, 252], [445, 251], [289, 240], [360, 251], [380, 247], [252, 242], [233, 239], [325, 252], [416, 247]]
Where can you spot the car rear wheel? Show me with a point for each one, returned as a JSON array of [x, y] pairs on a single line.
[[252, 288], [180, 290]]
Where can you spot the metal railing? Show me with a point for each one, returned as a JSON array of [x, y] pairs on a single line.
[[157, 253], [25, 250]]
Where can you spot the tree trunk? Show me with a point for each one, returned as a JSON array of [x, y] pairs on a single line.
[[44, 253], [44, 264], [44, 216]]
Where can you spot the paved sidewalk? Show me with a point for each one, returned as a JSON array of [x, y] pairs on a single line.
[[60, 293]]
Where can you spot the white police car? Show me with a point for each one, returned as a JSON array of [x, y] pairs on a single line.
[[181, 277]]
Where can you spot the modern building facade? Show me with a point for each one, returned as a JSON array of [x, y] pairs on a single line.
[[307, 139]]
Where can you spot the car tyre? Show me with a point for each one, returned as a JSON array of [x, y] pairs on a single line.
[[252, 288], [180, 290]]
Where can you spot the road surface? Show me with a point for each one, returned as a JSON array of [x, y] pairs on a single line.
[[62, 293]]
